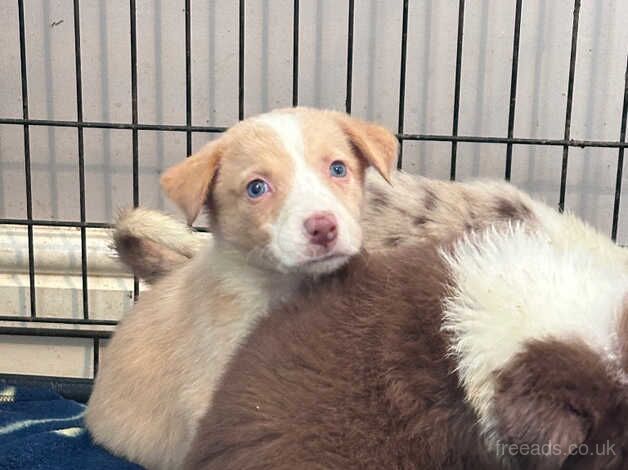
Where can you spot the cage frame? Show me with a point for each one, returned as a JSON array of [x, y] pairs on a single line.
[[98, 330]]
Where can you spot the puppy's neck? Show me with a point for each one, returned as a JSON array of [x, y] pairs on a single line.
[[228, 267]]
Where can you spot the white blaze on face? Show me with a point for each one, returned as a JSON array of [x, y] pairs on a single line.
[[308, 195]]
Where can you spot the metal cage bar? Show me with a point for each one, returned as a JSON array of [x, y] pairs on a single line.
[[81, 155], [27, 161], [295, 53], [582, 143], [188, 77], [457, 80], [241, 15], [349, 87], [513, 88], [402, 81], [135, 129], [568, 107], [620, 158]]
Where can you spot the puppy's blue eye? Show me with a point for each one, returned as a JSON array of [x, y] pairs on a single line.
[[256, 188], [338, 169]]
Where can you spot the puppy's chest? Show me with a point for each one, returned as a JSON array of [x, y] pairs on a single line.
[[229, 299]]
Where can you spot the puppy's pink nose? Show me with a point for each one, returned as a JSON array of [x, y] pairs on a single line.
[[322, 228]]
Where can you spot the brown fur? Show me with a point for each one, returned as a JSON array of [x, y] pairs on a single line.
[[509, 209], [560, 394], [153, 244], [354, 374], [414, 209], [155, 262]]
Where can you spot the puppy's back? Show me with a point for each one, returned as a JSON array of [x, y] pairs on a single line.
[[349, 376]]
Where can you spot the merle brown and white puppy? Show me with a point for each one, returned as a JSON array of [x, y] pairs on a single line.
[[506, 352]]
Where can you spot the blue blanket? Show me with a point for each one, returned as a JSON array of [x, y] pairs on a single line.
[[40, 430]]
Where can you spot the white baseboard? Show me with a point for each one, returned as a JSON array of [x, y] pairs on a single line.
[[58, 291], [58, 274]]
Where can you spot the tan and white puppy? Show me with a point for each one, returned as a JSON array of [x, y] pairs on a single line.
[[284, 194]]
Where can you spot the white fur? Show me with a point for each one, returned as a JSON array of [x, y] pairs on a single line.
[[512, 286], [308, 195], [567, 231]]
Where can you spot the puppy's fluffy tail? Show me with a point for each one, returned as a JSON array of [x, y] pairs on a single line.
[[152, 244]]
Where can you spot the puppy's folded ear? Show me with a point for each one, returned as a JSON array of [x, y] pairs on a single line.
[[188, 182], [374, 143]]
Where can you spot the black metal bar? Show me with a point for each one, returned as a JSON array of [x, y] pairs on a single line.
[[135, 149], [428, 137], [136, 288], [27, 161], [241, 61], [66, 223], [188, 77], [349, 88], [514, 140], [96, 357], [620, 158], [65, 321], [570, 86], [53, 332], [513, 87], [295, 54], [113, 125], [81, 156], [456, 114], [402, 80], [135, 136], [217, 129], [54, 223]]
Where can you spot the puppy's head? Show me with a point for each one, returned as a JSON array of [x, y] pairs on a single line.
[[285, 187]]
